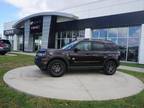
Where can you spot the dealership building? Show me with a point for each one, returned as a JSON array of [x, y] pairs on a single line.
[[119, 21]]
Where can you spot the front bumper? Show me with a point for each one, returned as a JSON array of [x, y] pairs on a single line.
[[41, 62]]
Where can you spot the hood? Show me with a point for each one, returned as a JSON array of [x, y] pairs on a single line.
[[55, 51]]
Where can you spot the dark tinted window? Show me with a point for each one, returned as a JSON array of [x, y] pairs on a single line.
[[5, 41], [98, 46], [111, 47], [84, 46]]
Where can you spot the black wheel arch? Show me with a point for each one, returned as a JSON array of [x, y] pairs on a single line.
[[111, 59]]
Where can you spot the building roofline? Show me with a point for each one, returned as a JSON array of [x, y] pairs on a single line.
[[62, 14]]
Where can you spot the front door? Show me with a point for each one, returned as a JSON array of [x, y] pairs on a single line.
[[81, 57]]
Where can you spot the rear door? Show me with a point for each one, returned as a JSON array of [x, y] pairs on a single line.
[[98, 53]]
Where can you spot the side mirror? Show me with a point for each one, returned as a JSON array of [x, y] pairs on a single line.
[[76, 49]]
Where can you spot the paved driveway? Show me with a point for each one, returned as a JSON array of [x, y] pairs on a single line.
[[73, 85]]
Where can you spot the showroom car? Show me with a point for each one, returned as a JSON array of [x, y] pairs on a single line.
[[5, 46], [80, 54]]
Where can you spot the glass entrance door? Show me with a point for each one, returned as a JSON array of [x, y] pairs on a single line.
[[37, 42]]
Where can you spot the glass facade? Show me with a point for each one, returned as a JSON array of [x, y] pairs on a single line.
[[37, 38], [65, 37], [127, 38], [20, 43]]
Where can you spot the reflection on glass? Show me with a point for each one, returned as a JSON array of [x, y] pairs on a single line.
[[96, 34], [66, 37], [114, 40], [103, 33], [81, 33], [69, 35], [133, 44], [122, 42], [127, 38], [123, 32], [20, 42], [112, 32], [75, 34], [134, 31], [133, 54]]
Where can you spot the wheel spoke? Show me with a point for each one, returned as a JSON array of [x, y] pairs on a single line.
[[56, 68], [111, 67]]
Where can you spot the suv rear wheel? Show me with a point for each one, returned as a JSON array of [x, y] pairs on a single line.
[[110, 67], [56, 68]]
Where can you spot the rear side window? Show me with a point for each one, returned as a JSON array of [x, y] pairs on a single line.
[[84, 46], [98, 46], [111, 47]]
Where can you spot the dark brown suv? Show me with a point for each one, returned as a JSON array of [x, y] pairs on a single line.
[[82, 54]]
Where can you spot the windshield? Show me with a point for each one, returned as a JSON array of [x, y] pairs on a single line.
[[69, 46], [5, 41]]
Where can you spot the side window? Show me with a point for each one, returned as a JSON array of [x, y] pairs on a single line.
[[111, 47], [98, 46], [84, 46]]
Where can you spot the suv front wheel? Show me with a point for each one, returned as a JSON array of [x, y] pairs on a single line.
[[56, 68], [110, 67]]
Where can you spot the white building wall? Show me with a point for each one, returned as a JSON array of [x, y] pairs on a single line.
[[15, 45], [105, 7], [141, 48], [45, 31], [88, 33], [28, 40]]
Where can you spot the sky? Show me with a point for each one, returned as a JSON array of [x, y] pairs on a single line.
[[11, 10]]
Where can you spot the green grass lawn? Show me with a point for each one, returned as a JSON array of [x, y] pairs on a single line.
[[133, 64], [10, 98]]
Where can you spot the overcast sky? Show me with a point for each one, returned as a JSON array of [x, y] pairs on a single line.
[[14, 9], [27, 7]]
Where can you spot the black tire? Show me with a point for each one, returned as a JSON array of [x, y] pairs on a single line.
[[3, 53], [110, 67], [56, 68]]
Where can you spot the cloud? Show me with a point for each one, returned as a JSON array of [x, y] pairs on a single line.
[[27, 7]]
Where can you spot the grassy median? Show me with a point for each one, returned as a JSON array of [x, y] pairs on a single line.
[[132, 64], [10, 98]]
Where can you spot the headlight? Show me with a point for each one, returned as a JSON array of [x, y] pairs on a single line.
[[41, 54]]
